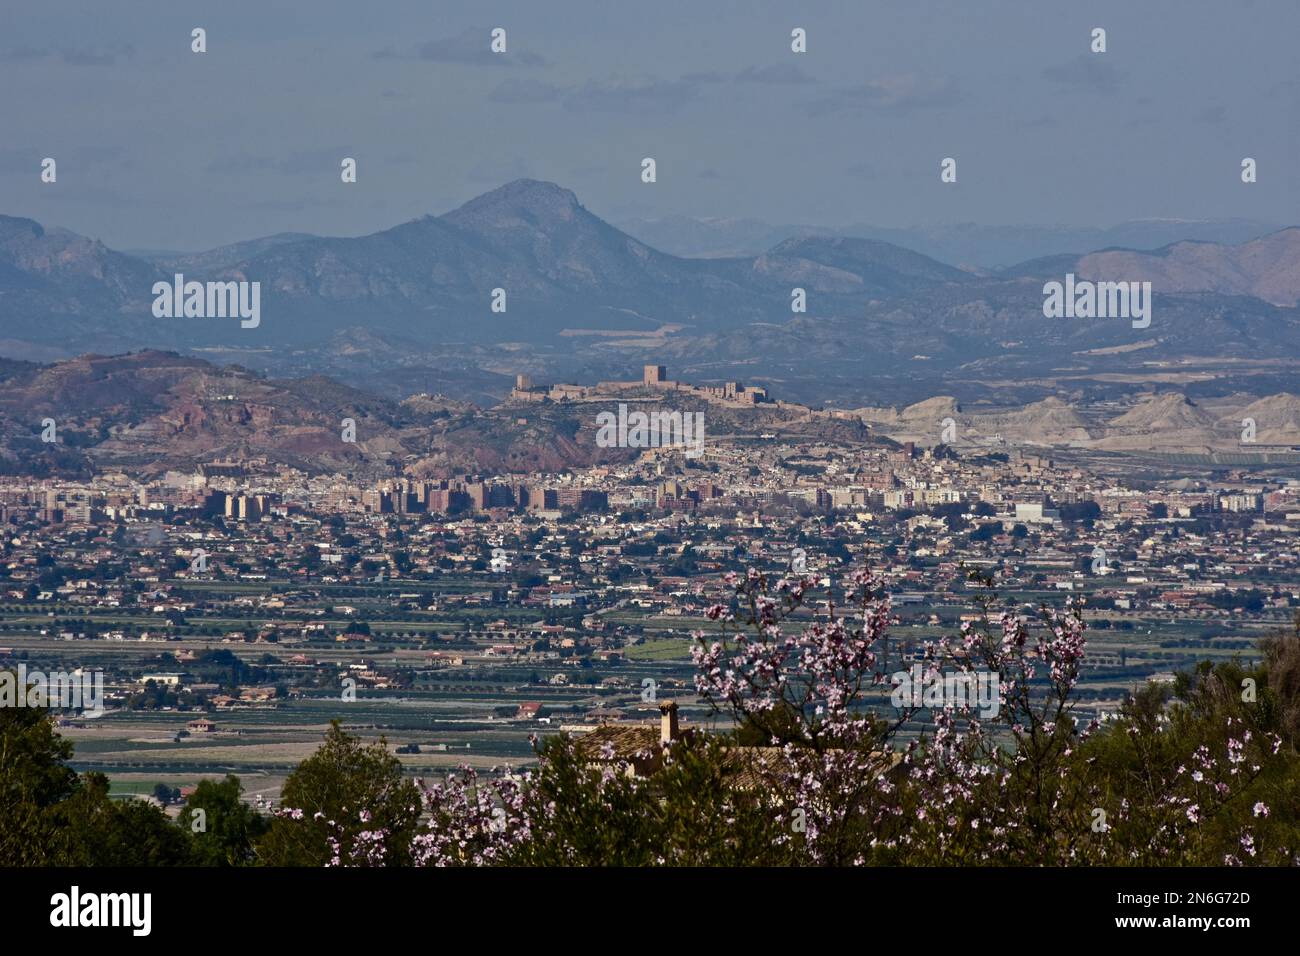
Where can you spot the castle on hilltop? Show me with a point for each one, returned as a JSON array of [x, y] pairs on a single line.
[[653, 377]]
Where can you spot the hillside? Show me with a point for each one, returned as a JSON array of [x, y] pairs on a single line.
[[150, 412], [1267, 268]]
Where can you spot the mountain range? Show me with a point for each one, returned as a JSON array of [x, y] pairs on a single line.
[[883, 323], [975, 245]]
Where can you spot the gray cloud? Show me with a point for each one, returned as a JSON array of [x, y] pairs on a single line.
[[20, 160], [786, 73], [515, 90], [640, 95], [616, 94], [295, 163], [295, 205], [904, 93], [1214, 115], [711, 76], [1038, 122], [1087, 72], [495, 173], [469, 48], [237, 165], [71, 56]]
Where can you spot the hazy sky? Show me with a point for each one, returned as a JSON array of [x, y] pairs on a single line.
[[161, 148]]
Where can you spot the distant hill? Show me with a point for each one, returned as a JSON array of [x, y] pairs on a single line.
[[160, 410], [57, 286], [978, 245], [853, 267], [1276, 417], [1047, 422], [1166, 421], [222, 257], [1267, 268], [1169, 412]]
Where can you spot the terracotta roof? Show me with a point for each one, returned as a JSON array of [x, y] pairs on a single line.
[[638, 744], [626, 740]]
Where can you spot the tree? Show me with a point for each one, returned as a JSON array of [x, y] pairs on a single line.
[[336, 799], [165, 794], [230, 827], [50, 816], [97, 830], [34, 779]]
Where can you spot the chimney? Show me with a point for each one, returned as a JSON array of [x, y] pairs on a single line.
[[668, 722]]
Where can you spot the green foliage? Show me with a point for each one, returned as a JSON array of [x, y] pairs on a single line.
[[230, 827], [165, 794], [51, 816], [1151, 753], [688, 813], [98, 831], [34, 780], [342, 780]]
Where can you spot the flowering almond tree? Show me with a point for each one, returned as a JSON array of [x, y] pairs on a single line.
[[811, 680], [1002, 790], [793, 678]]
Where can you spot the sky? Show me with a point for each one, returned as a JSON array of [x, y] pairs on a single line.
[[160, 148]]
